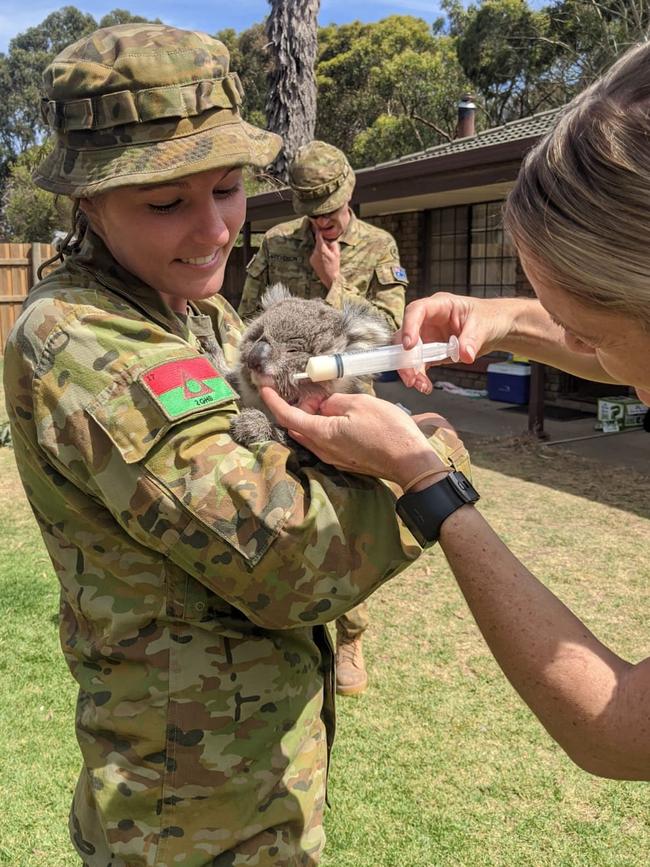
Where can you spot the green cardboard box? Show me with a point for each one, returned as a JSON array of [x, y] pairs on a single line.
[[625, 411]]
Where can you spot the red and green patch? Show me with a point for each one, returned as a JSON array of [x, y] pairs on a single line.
[[183, 386]]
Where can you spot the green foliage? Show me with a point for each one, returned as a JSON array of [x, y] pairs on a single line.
[[420, 91], [523, 60], [250, 59], [388, 88], [122, 16], [29, 213], [504, 50], [590, 34], [21, 71]]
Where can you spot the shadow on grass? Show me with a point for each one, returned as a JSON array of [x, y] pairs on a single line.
[[529, 460]]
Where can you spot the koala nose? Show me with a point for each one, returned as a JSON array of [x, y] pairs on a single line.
[[259, 355]]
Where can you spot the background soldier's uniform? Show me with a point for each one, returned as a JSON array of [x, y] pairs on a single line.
[[370, 268], [322, 180]]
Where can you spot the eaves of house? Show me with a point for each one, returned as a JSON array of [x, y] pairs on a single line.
[[477, 168]]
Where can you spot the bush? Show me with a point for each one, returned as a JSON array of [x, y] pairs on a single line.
[[29, 213]]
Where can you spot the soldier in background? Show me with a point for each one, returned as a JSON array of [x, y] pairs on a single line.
[[329, 253]]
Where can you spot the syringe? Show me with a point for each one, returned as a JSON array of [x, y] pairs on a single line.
[[365, 361]]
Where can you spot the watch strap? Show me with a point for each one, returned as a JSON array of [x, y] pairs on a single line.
[[424, 511]]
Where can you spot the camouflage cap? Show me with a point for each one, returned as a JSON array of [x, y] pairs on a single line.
[[321, 179], [144, 104]]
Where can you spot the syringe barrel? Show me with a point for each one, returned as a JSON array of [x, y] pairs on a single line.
[[378, 360]]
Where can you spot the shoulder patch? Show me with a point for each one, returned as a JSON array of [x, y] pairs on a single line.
[[399, 273], [183, 386]]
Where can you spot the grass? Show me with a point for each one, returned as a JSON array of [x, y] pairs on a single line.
[[438, 764]]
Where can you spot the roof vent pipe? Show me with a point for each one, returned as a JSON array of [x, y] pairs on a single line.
[[466, 125]]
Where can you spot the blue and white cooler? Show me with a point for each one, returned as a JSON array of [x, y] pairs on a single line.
[[508, 381]]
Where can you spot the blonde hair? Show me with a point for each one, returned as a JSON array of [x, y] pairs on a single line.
[[580, 208]]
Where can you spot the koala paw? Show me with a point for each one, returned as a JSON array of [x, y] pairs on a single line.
[[252, 426]]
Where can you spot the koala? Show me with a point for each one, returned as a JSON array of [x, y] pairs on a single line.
[[279, 343]]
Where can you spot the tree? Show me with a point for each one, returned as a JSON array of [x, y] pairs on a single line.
[[21, 71], [505, 50], [291, 107], [29, 213], [590, 34], [250, 59], [387, 88], [420, 92], [123, 16]]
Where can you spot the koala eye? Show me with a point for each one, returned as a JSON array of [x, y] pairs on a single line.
[[294, 346]]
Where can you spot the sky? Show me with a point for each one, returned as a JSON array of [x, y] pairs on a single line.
[[15, 17]]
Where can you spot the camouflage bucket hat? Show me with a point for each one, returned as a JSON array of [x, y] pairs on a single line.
[[144, 104], [321, 179]]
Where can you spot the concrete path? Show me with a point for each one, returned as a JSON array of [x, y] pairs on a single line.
[[489, 418]]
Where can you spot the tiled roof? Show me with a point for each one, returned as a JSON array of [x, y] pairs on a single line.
[[528, 127]]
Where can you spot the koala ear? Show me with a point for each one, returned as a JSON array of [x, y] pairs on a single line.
[[275, 295], [363, 328]]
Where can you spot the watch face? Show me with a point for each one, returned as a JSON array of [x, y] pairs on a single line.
[[463, 487]]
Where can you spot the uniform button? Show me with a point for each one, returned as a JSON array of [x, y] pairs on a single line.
[[199, 606]]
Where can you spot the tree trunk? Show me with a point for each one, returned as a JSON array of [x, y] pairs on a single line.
[[291, 104]]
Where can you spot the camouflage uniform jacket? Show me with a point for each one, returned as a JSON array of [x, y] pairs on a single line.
[[370, 268], [196, 576]]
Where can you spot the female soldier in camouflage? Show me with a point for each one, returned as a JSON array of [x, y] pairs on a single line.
[[196, 575]]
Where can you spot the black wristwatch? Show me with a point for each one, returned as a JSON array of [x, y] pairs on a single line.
[[424, 511]]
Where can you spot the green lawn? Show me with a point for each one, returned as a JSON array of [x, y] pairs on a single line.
[[439, 764]]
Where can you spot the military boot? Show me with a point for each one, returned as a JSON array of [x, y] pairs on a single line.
[[351, 674]]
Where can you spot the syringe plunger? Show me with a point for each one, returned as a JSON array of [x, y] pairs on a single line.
[[383, 358]]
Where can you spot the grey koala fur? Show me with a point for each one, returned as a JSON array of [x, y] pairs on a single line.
[[281, 340]]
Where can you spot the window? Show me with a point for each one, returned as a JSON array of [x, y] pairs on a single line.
[[470, 254]]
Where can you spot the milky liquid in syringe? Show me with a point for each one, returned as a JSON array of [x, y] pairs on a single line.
[[383, 358]]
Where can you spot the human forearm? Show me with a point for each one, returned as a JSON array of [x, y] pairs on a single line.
[[482, 325], [534, 335], [585, 696]]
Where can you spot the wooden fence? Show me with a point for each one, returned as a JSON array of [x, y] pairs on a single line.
[[18, 266]]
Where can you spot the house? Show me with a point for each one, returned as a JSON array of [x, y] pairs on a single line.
[[443, 206]]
